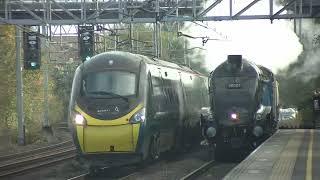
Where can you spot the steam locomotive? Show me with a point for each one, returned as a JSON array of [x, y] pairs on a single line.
[[244, 104]]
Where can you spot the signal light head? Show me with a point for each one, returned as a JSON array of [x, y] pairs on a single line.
[[33, 64]]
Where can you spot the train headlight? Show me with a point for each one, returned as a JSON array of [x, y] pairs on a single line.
[[79, 119], [234, 116], [139, 117]]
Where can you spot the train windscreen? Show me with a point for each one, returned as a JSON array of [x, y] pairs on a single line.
[[108, 94], [109, 83]]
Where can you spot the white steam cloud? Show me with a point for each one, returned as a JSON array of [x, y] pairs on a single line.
[[271, 45], [310, 67]]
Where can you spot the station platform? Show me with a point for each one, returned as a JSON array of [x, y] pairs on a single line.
[[288, 154]]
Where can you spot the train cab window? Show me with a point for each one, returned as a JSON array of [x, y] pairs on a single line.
[[266, 95], [109, 83]]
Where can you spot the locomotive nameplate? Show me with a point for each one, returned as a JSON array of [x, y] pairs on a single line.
[[234, 86]]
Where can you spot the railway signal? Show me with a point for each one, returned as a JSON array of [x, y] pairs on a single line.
[[86, 42], [32, 50]]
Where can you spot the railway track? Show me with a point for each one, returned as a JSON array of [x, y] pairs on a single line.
[[79, 176], [193, 175], [27, 161], [197, 172], [135, 172], [87, 174]]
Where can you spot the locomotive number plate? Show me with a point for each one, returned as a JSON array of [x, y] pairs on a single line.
[[234, 86]]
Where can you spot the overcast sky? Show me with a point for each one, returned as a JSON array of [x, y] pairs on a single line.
[[272, 45]]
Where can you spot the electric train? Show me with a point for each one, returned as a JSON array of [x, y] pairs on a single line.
[[244, 105], [128, 108]]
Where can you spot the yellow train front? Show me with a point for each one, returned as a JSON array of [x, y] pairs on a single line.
[[126, 108]]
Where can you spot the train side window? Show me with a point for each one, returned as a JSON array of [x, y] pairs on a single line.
[[209, 84], [150, 88], [158, 98], [266, 94], [167, 91]]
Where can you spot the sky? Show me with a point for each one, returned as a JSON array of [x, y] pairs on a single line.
[[271, 45]]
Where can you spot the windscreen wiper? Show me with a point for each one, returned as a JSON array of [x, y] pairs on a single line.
[[110, 94]]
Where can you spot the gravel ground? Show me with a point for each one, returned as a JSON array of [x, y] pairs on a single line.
[[60, 135], [59, 171], [170, 167]]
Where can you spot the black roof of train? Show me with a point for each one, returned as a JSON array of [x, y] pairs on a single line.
[[248, 69], [130, 60]]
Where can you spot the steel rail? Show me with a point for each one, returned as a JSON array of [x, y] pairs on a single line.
[[34, 166], [199, 171], [38, 150], [31, 160], [87, 174], [128, 176], [79, 176]]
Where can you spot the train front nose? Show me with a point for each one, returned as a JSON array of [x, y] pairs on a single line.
[[119, 138], [102, 136]]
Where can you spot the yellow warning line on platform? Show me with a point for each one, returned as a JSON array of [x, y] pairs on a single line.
[[284, 166], [309, 158]]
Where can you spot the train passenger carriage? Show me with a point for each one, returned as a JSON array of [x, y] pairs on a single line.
[[127, 108]]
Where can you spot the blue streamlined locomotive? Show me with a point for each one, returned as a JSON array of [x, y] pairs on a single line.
[[244, 105]]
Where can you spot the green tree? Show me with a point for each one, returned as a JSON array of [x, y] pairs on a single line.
[[7, 76]]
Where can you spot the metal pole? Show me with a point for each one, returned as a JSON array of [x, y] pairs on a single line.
[[300, 20], [194, 4], [130, 37], [155, 39], [271, 8], [177, 15], [82, 10], [116, 37], [230, 10], [295, 20], [137, 44], [311, 6], [6, 9], [46, 123], [185, 52], [104, 39], [159, 40], [21, 126]]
